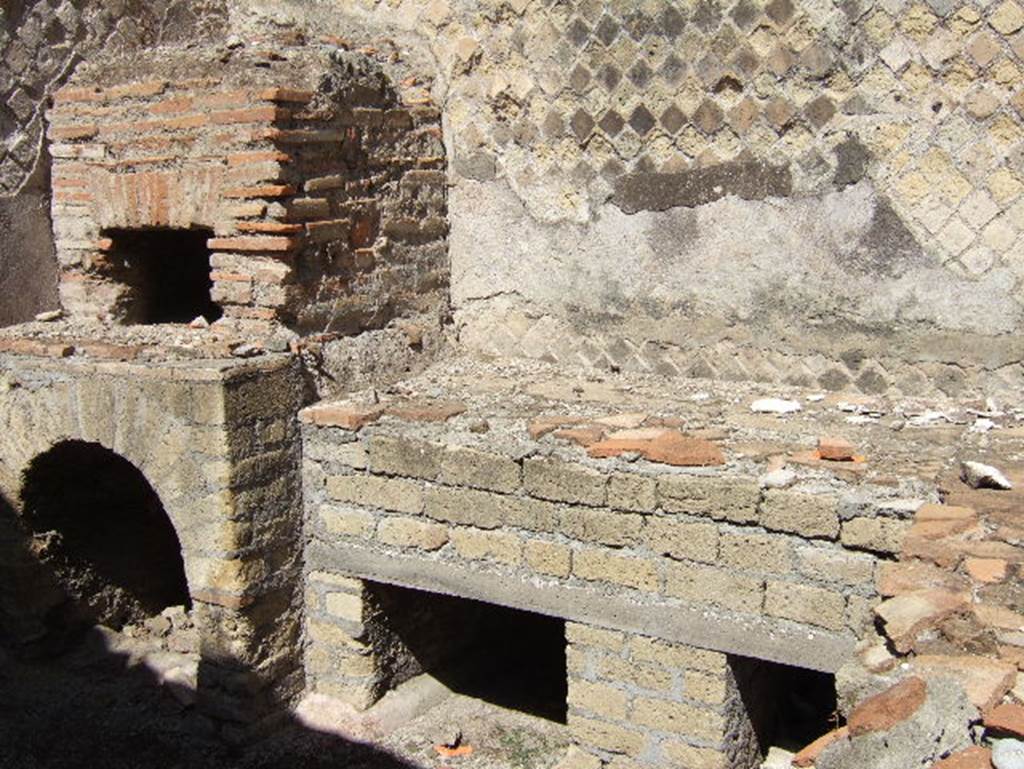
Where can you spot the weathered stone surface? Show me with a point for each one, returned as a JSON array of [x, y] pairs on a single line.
[[985, 681], [660, 192]]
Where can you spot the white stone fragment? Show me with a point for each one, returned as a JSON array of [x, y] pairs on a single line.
[[775, 406], [861, 419], [778, 479], [778, 758], [927, 418], [817, 397], [1008, 754], [979, 476], [982, 425], [199, 322], [49, 316]]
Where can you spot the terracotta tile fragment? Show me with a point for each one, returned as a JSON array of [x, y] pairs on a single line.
[[932, 512], [808, 755], [681, 451], [1007, 718], [893, 706], [581, 436], [836, 449], [350, 416], [426, 411], [975, 757], [911, 576], [999, 617], [987, 570], [541, 426], [940, 529]]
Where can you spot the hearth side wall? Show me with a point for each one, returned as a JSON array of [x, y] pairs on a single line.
[[221, 452]]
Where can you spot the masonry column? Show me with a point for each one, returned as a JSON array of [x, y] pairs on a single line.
[[638, 702], [340, 661]]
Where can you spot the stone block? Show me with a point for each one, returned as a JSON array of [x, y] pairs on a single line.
[[678, 718], [587, 635], [613, 528], [409, 532], [808, 515], [879, 535], [347, 521], [481, 545], [395, 494], [344, 606], [703, 687], [726, 499], [604, 566], [605, 736], [801, 603], [465, 506], [598, 699], [756, 552], [718, 587], [836, 565], [643, 675], [549, 558], [550, 478], [480, 470], [684, 754], [393, 455], [632, 492], [531, 514], [671, 536]]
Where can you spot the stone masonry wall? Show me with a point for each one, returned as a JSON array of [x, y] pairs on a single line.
[[218, 445], [636, 701], [705, 558], [821, 193]]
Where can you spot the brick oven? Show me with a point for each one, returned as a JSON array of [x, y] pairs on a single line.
[[264, 187], [205, 203]]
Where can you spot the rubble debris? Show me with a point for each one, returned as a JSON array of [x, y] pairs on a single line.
[[247, 350], [982, 476], [49, 316], [775, 406]]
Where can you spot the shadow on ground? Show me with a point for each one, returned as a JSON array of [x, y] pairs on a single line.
[[88, 709]]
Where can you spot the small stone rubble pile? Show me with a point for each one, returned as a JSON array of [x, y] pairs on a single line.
[[942, 674]]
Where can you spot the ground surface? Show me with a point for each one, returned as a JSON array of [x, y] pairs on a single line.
[[85, 709]]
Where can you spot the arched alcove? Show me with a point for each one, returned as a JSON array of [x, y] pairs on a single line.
[[99, 527]]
